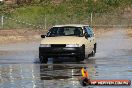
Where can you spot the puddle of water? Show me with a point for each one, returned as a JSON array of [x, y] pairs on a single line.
[[57, 75]]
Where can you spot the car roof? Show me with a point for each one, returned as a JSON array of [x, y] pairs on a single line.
[[71, 25]]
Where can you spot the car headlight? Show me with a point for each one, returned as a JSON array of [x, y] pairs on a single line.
[[45, 45], [72, 45]]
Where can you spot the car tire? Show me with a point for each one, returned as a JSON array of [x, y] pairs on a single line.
[[43, 59], [95, 47], [94, 51]]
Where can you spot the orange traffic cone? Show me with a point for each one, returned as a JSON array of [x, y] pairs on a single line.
[[85, 77]]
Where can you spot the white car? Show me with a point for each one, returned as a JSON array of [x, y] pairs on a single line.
[[72, 40]]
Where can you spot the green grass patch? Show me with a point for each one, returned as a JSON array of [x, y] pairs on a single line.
[[68, 11]]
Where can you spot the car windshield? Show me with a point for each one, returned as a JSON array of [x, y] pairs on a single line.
[[65, 31]]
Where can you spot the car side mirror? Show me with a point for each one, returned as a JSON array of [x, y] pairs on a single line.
[[43, 36]]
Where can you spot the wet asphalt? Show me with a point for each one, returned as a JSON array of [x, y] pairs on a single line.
[[20, 66]]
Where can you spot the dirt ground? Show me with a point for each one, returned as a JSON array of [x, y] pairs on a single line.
[[25, 35], [19, 35], [129, 32]]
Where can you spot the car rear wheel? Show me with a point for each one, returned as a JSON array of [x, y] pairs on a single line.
[[94, 51], [95, 47]]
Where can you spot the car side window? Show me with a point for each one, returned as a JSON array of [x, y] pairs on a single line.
[[89, 31], [52, 31]]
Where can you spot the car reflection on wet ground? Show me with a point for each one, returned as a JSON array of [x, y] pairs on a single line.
[[57, 75], [20, 67]]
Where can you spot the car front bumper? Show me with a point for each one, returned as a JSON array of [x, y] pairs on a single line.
[[61, 51]]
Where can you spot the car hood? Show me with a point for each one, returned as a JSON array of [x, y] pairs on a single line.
[[62, 40]]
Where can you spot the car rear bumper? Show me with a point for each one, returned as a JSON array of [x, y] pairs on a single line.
[[61, 51]]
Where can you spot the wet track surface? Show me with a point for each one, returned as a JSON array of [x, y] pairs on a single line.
[[20, 67]]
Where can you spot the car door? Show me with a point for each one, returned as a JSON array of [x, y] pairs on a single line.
[[92, 38], [88, 41]]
